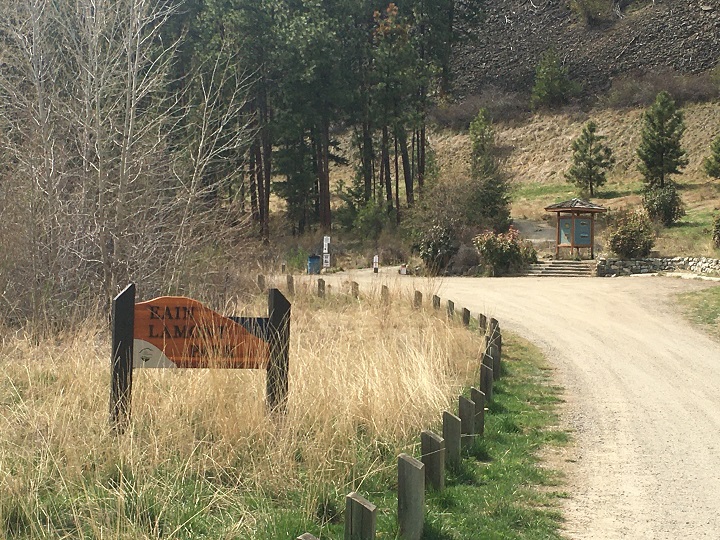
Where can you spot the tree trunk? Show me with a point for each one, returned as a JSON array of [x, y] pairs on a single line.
[[366, 152], [421, 160], [407, 168], [385, 165], [266, 144], [324, 175], [397, 183], [254, 166]]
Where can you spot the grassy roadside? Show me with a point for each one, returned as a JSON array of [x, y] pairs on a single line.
[[703, 308], [501, 489], [201, 459]]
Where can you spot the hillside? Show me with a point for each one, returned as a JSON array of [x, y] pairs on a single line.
[[536, 153], [657, 36]]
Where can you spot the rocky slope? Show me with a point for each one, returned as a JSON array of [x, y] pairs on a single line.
[[663, 36]]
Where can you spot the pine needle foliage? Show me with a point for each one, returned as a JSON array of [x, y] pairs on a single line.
[[488, 199], [553, 86], [590, 161], [660, 151], [716, 232], [663, 204], [711, 164]]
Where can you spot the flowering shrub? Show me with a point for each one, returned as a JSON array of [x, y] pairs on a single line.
[[437, 245], [504, 253]]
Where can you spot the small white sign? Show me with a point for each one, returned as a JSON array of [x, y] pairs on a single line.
[[326, 260], [326, 244]]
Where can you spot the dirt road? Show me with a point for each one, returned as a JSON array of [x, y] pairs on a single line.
[[643, 393]]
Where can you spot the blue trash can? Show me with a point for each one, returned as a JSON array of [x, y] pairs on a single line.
[[314, 264]]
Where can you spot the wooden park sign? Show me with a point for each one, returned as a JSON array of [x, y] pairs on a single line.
[[178, 332], [174, 331]]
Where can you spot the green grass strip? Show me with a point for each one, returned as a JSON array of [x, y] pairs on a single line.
[[703, 308], [500, 491]]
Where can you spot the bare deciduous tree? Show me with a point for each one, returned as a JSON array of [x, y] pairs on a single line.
[[109, 175]]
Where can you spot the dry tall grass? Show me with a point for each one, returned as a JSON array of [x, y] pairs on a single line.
[[365, 379]]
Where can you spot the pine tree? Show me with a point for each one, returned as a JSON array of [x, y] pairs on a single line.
[[712, 163], [591, 160], [553, 86], [487, 199], [660, 152], [482, 137]]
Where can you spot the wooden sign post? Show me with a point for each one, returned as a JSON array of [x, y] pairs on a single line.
[[179, 332], [123, 321]]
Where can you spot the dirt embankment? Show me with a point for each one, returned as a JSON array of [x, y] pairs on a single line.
[[664, 35]]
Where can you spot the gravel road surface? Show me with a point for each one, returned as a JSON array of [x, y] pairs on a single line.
[[642, 389]]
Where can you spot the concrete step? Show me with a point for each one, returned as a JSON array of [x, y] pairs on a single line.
[[563, 269]]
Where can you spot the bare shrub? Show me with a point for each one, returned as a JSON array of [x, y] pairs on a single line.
[[499, 104], [640, 89], [108, 177]]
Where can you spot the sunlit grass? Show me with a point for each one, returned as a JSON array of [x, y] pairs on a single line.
[[552, 192], [201, 459], [703, 308], [690, 236]]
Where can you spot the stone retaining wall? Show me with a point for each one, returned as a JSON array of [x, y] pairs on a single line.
[[619, 267]]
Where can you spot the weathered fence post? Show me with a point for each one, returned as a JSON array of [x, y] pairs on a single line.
[[355, 289], [411, 497], [328, 288], [450, 309], [360, 518], [321, 288], [479, 398], [451, 434], [279, 340], [432, 448], [291, 285], [482, 323], [466, 317], [417, 300], [486, 381], [385, 294], [493, 330], [121, 357], [466, 410], [495, 355], [261, 282], [283, 268], [436, 301]]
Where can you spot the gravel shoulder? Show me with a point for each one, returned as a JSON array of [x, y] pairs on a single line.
[[641, 386]]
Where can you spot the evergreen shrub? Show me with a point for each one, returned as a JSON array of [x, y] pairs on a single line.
[[711, 164], [716, 232], [663, 205], [553, 86], [631, 235], [504, 253]]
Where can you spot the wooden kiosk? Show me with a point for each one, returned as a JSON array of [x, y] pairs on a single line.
[[575, 225]]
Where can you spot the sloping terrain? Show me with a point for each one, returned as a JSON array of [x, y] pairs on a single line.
[[652, 36], [536, 153]]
